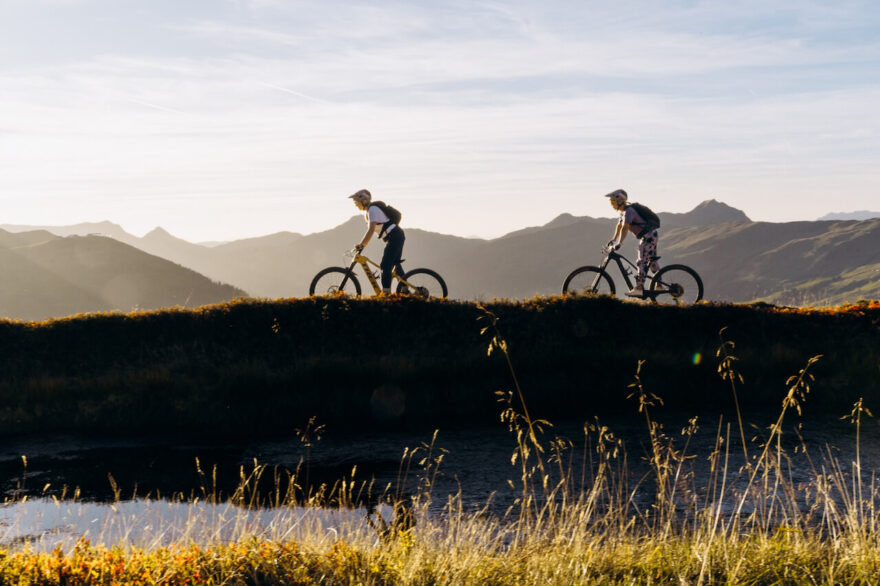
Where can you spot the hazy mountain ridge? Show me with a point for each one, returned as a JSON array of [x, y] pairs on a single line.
[[809, 263], [51, 276], [858, 215], [708, 212]]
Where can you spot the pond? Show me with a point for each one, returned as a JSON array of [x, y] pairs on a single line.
[[154, 475]]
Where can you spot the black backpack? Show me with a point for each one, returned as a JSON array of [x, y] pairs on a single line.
[[652, 220], [394, 216]]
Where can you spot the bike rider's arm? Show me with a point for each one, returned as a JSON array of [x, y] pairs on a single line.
[[619, 232], [366, 239], [624, 230]]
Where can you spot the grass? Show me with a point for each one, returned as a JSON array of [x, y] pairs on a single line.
[[259, 364], [577, 520]]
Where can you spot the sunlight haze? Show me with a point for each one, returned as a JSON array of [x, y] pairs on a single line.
[[225, 119]]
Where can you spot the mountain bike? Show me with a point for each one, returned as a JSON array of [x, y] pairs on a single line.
[[420, 282], [671, 284]]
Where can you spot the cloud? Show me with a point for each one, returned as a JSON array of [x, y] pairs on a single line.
[[463, 103]]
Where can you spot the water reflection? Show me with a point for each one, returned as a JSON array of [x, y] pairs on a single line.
[[476, 461], [42, 524]]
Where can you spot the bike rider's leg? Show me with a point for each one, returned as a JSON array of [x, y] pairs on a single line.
[[391, 257], [647, 254], [652, 252]]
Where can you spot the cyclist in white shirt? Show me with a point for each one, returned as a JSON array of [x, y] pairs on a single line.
[[387, 230]]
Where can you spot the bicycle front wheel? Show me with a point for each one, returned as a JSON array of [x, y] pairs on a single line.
[[333, 280], [676, 284], [423, 283], [588, 280]]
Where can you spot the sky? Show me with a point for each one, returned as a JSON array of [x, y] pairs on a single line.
[[225, 119]]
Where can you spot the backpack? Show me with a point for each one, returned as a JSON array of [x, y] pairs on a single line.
[[394, 216], [652, 220]]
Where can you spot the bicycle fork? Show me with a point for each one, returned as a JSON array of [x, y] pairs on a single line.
[[350, 270]]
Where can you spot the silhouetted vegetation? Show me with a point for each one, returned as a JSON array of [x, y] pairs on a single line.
[[761, 522], [258, 366]]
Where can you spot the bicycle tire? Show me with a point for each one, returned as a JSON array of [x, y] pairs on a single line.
[[595, 281], [327, 282], [680, 283], [427, 282]]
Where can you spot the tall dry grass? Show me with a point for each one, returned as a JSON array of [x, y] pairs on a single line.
[[579, 517]]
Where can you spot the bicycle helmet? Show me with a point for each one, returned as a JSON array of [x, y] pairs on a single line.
[[362, 196], [618, 196]]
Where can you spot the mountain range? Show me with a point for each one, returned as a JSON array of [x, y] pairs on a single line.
[[858, 215], [795, 263], [45, 275]]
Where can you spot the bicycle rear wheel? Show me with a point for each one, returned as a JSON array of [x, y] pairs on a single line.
[[425, 283], [333, 280], [676, 284], [588, 280]]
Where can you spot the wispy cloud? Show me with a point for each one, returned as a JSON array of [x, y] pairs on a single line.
[[253, 109], [295, 93]]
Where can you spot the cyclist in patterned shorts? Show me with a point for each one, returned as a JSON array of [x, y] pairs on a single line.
[[643, 229]]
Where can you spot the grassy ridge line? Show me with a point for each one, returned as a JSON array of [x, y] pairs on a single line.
[[262, 366]]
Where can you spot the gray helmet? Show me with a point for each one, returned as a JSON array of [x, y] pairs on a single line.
[[617, 196], [362, 196]]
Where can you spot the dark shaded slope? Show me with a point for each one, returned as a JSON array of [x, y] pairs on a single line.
[[795, 263]]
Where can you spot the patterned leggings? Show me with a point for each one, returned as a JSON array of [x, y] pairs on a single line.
[[647, 257]]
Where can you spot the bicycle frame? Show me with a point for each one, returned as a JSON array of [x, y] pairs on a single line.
[[624, 271], [675, 280], [360, 259]]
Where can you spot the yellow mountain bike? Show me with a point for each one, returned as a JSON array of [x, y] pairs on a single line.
[[421, 282]]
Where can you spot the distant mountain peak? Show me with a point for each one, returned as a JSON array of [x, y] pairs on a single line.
[[161, 235], [563, 219], [710, 211], [714, 204], [106, 223], [857, 215]]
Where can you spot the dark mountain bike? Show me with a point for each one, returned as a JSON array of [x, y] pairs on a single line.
[[419, 282], [671, 284]]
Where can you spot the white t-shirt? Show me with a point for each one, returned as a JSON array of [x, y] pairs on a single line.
[[375, 214]]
